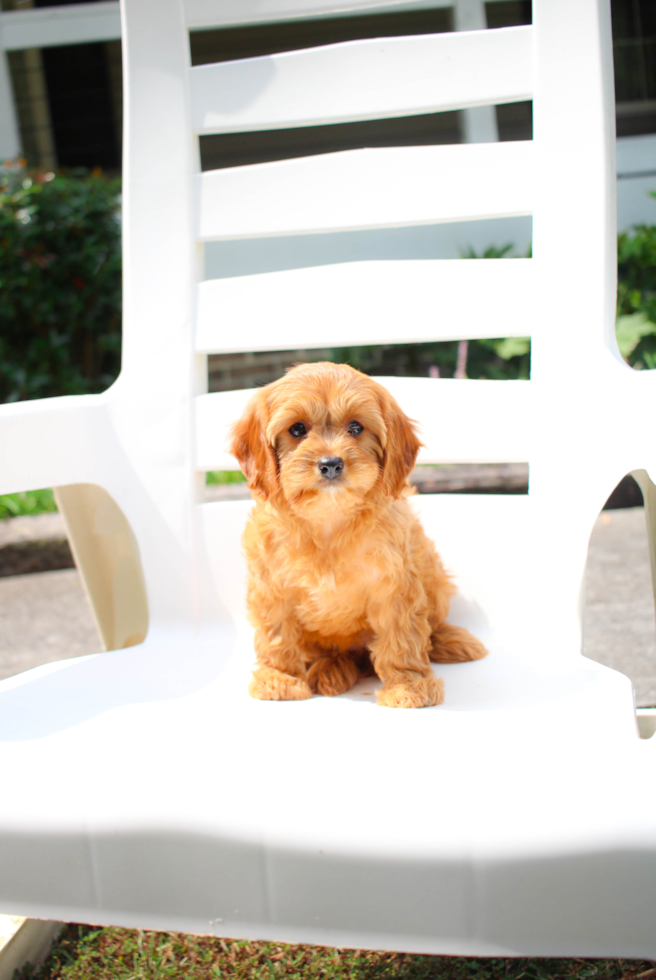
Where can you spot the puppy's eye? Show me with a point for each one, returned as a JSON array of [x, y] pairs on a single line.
[[297, 430], [354, 428]]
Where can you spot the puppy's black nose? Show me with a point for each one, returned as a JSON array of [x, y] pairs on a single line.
[[330, 466]]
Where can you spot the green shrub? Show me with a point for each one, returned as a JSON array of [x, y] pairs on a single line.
[[60, 283], [636, 295], [505, 358]]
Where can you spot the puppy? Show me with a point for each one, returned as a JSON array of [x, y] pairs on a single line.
[[343, 582]]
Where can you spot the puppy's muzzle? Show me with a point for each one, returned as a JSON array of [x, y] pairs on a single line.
[[330, 466]]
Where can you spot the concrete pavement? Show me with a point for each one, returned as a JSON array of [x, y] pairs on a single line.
[[619, 600], [44, 617]]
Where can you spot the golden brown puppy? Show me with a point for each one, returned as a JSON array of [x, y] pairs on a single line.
[[342, 578]]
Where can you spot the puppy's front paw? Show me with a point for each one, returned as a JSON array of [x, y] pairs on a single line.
[[269, 684], [420, 693], [333, 675]]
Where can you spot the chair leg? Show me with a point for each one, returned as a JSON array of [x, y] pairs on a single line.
[[106, 554], [649, 495]]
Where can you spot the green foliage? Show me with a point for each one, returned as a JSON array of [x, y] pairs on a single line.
[[493, 252], [630, 330], [215, 477], [85, 953], [499, 359], [636, 295], [496, 359], [30, 502], [60, 283], [511, 347]]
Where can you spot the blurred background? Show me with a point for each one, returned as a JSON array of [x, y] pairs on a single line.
[[61, 118]]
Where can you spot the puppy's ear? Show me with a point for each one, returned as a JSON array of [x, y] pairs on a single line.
[[256, 458], [401, 448]]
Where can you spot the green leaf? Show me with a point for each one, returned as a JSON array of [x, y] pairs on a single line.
[[493, 252], [630, 329], [512, 347]]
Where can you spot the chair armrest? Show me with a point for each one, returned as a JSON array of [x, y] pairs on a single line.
[[52, 442]]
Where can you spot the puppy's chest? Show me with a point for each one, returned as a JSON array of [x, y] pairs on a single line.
[[330, 596]]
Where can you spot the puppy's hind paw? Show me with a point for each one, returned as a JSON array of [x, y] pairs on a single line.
[[420, 693], [269, 684], [454, 645], [333, 675]]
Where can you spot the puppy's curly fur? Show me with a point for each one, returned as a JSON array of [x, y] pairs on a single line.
[[343, 581]]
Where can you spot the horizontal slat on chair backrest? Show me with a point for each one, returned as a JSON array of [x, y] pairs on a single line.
[[469, 421], [372, 79], [366, 303], [366, 189], [212, 13]]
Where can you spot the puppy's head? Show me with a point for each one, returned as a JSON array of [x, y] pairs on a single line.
[[324, 436]]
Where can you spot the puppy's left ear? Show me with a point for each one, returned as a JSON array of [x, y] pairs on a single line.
[[255, 456], [400, 450]]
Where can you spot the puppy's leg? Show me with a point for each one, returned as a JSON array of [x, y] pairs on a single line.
[[281, 674], [399, 653], [333, 674], [270, 684], [454, 644]]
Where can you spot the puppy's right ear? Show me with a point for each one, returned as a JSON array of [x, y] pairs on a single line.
[[256, 458]]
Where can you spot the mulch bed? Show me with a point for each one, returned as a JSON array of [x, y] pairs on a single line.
[[26, 557]]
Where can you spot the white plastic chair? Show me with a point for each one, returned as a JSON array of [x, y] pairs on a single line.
[[143, 787]]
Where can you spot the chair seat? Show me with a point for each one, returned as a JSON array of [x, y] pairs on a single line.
[[154, 791]]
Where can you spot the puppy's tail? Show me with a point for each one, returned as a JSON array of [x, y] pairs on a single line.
[[453, 644]]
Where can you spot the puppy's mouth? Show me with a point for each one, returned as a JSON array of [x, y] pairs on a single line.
[[331, 485]]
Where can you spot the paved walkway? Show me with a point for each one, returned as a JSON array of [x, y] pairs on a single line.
[[619, 601], [46, 616]]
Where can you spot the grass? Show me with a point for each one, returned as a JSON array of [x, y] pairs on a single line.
[[43, 501], [87, 953], [29, 502], [224, 476]]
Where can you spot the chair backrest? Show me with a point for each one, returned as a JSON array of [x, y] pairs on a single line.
[[160, 429], [565, 177]]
